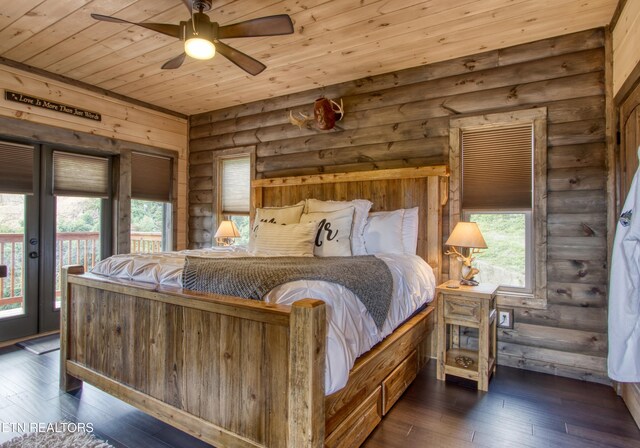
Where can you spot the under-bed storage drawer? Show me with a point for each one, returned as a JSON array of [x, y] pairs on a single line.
[[354, 430], [397, 382]]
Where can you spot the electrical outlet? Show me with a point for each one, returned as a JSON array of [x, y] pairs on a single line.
[[505, 318]]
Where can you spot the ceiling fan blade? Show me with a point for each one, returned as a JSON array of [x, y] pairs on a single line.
[[264, 26], [174, 63], [164, 28], [245, 62]]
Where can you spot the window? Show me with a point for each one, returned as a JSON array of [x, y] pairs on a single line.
[[507, 261], [150, 226], [151, 188], [16, 184], [81, 202], [234, 194], [498, 164]]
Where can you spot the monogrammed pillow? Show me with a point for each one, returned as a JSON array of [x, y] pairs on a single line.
[[333, 238], [361, 210]]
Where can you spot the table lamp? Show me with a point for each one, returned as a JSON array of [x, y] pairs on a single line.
[[466, 236], [226, 233]]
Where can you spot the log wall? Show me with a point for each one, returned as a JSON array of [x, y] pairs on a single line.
[[626, 57], [121, 121], [402, 119]]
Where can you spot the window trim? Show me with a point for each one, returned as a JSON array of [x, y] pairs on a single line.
[[538, 118], [232, 153]]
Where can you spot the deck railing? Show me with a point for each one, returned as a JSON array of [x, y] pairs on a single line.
[[71, 248]]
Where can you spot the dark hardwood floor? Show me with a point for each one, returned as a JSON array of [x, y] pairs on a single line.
[[521, 409]]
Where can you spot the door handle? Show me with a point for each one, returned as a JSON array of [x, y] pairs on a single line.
[[33, 255]]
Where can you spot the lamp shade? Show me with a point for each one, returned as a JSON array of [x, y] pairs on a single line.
[[466, 234], [227, 229]]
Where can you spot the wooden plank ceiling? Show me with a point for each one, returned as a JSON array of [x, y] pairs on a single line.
[[334, 41]]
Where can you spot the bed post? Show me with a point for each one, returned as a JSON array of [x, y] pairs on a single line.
[[67, 382], [307, 345]]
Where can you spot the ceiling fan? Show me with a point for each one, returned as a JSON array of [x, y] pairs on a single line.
[[202, 37]]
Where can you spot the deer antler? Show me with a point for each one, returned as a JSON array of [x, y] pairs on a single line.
[[300, 122], [339, 110]]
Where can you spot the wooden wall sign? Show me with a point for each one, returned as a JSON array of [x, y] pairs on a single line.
[[50, 105]]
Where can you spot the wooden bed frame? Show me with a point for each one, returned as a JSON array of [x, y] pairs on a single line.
[[241, 373]]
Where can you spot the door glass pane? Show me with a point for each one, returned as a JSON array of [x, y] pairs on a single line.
[[78, 223], [504, 262], [12, 213], [150, 226]]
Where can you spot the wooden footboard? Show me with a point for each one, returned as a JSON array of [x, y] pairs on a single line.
[[229, 371]]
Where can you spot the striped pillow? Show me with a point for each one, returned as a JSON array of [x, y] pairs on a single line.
[[275, 215], [292, 240]]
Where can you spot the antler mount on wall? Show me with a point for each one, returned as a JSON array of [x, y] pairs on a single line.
[[326, 113]]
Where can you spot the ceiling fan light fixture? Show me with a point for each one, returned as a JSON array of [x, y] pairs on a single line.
[[199, 48]]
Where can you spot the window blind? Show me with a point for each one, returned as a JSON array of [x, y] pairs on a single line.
[[80, 175], [236, 185], [497, 168], [16, 168], [151, 177]]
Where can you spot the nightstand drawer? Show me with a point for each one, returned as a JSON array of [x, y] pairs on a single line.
[[457, 307]]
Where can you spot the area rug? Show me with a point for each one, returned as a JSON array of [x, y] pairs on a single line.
[[42, 345], [64, 439]]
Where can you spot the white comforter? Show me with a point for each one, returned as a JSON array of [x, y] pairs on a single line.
[[351, 330]]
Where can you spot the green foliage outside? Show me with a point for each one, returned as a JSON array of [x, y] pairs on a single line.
[[73, 215], [12, 221], [242, 223], [146, 216], [505, 257], [77, 214]]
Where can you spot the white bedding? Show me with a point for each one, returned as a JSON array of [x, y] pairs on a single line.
[[351, 330]]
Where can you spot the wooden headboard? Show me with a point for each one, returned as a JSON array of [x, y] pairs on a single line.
[[424, 187]]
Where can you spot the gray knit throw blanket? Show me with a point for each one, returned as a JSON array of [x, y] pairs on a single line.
[[366, 276]]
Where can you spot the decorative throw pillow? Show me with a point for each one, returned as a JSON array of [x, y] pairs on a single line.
[[291, 240], [383, 233], [333, 236], [275, 215], [361, 207]]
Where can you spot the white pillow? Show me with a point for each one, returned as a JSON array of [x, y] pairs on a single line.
[[275, 215], [333, 236], [292, 240], [361, 206], [383, 233], [408, 231]]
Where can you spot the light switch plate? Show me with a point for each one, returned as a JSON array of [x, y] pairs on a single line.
[[505, 318]]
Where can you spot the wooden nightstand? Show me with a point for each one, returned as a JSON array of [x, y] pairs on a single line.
[[471, 307]]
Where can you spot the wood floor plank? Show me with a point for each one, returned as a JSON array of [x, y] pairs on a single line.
[[602, 437], [33, 404], [130, 436], [522, 409]]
